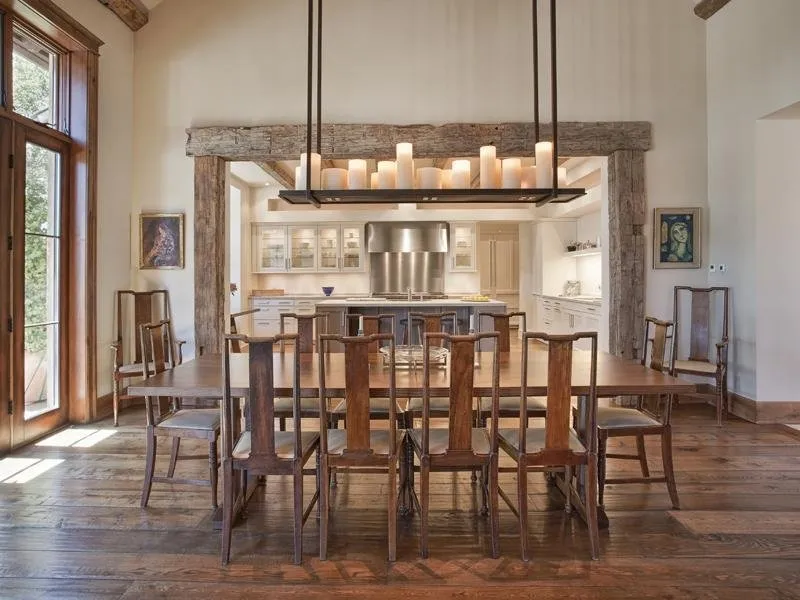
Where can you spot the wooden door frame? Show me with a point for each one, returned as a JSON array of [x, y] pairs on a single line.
[[6, 137], [623, 142]]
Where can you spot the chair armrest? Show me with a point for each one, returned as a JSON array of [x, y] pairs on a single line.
[[116, 348], [179, 345], [722, 352]]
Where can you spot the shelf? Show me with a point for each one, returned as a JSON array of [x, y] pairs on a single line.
[[586, 252], [539, 197]]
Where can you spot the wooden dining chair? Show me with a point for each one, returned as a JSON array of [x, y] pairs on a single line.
[[556, 445], [509, 406], [176, 422], [460, 446], [359, 446], [132, 310], [262, 450], [236, 345], [305, 342], [427, 323], [642, 420], [701, 362]]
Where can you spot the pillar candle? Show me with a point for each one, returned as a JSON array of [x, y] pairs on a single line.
[[373, 181], [472, 323], [357, 174], [447, 179], [299, 182], [498, 172], [361, 325], [461, 175], [544, 165], [512, 173], [405, 166], [316, 165], [387, 175], [487, 166], [430, 178], [334, 179], [562, 177], [528, 177]]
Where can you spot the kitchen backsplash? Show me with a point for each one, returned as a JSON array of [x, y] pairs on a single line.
[[349, 283]]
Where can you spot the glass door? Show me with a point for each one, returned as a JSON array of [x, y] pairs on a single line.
[[352, 248], [463, 247], [38, 388], [302, 248], [5, 296], [328, 239], [269, 249]]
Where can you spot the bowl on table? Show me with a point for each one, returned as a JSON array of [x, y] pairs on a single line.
[[327, 290]]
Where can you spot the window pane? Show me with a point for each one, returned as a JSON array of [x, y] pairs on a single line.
[[33, 78], [41, 369], [41, 280], [41, 188]]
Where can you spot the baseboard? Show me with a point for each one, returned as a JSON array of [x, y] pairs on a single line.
[[765, 413]]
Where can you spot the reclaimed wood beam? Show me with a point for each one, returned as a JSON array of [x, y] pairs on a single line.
[[349, 140], [705, 9], [274, 170], [130, 12]]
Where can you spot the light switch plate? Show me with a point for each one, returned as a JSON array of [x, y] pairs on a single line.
[[712, 268]]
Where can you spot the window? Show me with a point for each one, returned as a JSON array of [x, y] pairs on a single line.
[[34, 78]]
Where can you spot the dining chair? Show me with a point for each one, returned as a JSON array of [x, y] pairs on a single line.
[[132, 310], [236, 345], [642, 420], [708, 317], [262, 450], [460, 446], [177, 422], [556, 445], [427, 323], [358, 446]]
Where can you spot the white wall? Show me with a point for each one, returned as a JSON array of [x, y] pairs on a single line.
[[752, 72], [115, 170], [242, 62]]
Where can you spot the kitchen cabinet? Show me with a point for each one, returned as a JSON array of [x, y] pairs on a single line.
[[307, 248], [352, 247], [556, 316], [498, 263], [302, 248], [267, 321], [463, 243], [269, 249], [329, 246]]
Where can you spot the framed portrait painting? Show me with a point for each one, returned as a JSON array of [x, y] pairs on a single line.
[[676, 238], [161, 241]]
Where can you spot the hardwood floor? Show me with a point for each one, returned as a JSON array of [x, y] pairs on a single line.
[[75, 530]]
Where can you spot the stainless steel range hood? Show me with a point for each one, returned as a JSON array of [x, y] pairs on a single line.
[[407, 255]]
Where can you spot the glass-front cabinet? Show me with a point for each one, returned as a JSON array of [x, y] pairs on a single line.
[[269, 248], [462, 247], [352, 248], [302, 248], [329, 247]]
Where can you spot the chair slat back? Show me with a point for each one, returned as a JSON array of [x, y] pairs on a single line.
[[236, 343], [305, 329], [501, 323], [434, 323], [656, 335], [702, 310], [372, 325], [156, 343], [143, 308]]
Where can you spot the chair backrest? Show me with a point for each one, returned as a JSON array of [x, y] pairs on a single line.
[[501, 323], [261, 404], [371, 325], [158, 355], [305, 329], [462, 390], [357, 379], [434, 323], [134, 309], [700, 324], [657, 335], [236, 344], [559, 394]]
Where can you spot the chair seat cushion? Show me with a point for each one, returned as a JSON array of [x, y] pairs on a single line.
[[284, 444], [378, 441], [510, 405], [534, 439], [202, 419], [699, 367], [613, 417], [133, 369], [440, 405], [377, 406], [439, 439], [284, 406]]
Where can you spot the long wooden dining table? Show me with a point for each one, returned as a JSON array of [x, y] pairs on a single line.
[[202, 377]]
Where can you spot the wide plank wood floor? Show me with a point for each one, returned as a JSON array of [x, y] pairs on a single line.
[[71, 527]]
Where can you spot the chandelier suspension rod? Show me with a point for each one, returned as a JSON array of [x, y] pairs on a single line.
[[554, 93], [535, 27]]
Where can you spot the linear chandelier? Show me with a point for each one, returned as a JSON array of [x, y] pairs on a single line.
[[501, 182]]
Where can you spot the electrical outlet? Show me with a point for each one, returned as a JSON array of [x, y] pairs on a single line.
[[723, 267], [712, 268]]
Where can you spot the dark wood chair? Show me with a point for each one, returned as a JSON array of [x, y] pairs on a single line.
[[427, 323], [642, 420], [509, 407], [262, 450], [132, 310], [237, 346], [555, 445], [460, 446], [176, 422], [700, 361], [359, 446]]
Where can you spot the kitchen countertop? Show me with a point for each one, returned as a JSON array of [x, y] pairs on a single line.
[[591, 300], [398, 303]]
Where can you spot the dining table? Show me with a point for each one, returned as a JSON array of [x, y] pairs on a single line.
[[202, 377]]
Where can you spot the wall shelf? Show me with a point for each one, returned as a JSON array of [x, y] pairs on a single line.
[[585, 252]]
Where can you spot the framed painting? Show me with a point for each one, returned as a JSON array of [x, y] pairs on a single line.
[[161, 241], [676, 238]]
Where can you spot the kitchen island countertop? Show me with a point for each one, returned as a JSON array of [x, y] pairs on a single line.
[[375, 302]]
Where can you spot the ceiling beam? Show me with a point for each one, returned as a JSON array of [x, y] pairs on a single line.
[[130, 12], [281, 177], [347, 140], [706, 9]]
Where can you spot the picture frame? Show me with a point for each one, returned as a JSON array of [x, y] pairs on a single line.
[[676, 238], [161, 240]]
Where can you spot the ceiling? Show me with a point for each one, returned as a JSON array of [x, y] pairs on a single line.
[[151, 4]]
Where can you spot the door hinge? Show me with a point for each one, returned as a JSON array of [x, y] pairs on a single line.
[[10, 161], [10, 243], [10, 325], [10, 407]]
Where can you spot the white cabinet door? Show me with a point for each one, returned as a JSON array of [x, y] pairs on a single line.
[[463, 242], [328, 242], [352, 247], [269, 253], [302, 248]]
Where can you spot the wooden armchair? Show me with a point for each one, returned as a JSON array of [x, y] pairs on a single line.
[[132, 310], [177, 422], [236, 344], [700, 361], [428, 323]]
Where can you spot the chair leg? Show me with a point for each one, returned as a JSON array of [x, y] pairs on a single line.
[[212, 468], [494, 507], [324, 494], [392, 509], [484, 491], [568, 494], [591, 506], [522, 507], [298, 514], [642, 452], [424, 487], [282, 423], [602, 443], [149, 466], [173, 456], [115, 401], [227, 510], [669, 473], [720, 399]]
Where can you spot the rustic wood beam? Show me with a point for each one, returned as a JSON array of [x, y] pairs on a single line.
[[348, 140], [705, 9], [281, 176], [130, 12]]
